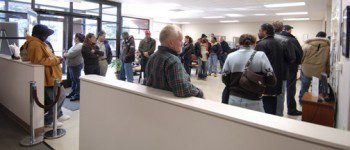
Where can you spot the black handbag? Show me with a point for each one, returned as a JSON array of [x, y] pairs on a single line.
[[251, 81]]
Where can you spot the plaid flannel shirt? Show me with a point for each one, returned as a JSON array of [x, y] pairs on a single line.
[[164, 71]]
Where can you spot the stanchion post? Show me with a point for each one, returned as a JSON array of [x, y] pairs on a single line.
[[32, 140], [55, 133]]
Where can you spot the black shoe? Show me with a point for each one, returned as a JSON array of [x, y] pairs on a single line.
[[295, 113], [69, 96], [74, 99]]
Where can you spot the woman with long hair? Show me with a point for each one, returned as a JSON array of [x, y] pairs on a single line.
[[91, 54]]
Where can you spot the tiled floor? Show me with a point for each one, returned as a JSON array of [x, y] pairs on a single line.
[[212, 89]]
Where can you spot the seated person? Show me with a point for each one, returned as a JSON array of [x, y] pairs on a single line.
[[164, 69]]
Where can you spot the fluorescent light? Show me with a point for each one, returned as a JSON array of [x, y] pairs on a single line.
[[291, 13], [213, 17], [259, 14], [285, 4], [229, 21], [296, 19], [181, 22], [234, 15]]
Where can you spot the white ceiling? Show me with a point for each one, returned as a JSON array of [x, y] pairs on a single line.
[[192, 11]]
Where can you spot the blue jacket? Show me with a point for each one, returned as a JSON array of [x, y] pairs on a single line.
[[108, 52]]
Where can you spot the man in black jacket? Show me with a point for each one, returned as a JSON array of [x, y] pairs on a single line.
[[224, 53], [274, 51], [288, 58], [293, 70]]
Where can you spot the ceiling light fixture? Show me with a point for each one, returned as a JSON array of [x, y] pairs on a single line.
[[291, 13], [229, 21], [234, 15], [259, 14], [296, 19], [213, 17], [285, 5]]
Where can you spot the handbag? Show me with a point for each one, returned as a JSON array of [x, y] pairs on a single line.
[[251, 81]]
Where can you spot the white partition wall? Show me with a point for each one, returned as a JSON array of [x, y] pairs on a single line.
[[125, 116], [14, 89]]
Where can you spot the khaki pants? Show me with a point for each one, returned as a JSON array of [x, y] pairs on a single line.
[[103, 67]]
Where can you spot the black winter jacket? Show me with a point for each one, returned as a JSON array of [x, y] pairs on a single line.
[[298, 50], [288, 53], [274, 52], [89, 57], [216, 48]]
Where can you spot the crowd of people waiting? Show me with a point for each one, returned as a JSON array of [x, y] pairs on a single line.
[[257, 74]]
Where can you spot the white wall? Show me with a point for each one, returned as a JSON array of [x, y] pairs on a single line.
[[230, 30], [14, 88], [343, 121], [125, 116]]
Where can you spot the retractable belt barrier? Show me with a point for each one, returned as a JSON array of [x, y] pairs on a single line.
[[52, 134]]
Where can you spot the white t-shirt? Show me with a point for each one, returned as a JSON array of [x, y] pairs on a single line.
[[204, 52]]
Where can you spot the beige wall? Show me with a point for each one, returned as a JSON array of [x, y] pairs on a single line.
[[126, 116], [230, 30], [14, 88]]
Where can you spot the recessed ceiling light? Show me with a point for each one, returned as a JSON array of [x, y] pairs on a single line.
[[259, 14], [296, 19], [285, 4], [213, 17], [234, 15], [229, 21], [291, 13]]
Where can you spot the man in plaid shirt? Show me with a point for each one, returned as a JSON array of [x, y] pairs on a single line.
[[164, 69]]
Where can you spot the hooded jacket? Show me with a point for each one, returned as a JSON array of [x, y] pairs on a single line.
[[40, 53], [316, 57]]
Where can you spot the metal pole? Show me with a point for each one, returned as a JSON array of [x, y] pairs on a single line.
[[55, 133], [31, 140]]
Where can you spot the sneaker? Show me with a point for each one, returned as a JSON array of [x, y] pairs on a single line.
[[70, 95], [59, 124], [215, 75], [63, 118], [209, 74]]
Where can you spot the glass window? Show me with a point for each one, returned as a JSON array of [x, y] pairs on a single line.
[[2, 5], [110, 29], [90, 26], [22, 26], [135, 23], [86, 7], [109, 10], [57, 38], [109, 18], [2, 15], [50, 5], [19, 6], [113, 44]]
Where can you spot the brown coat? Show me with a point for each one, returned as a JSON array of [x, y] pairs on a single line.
[[316, 57], [39, 53]]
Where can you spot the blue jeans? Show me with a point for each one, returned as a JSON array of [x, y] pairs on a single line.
[[305, 84], [202, 69], [126, 72], [256, 105], [213, 65], [48, 94], [281, 100], [75, 73]]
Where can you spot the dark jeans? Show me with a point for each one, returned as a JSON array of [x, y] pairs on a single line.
[[48, 94], [270, 104], [187, 65], [92, 69], [75, 73], [222, 59], [291, 88], [305, 84], [202, 69], [143, 66]]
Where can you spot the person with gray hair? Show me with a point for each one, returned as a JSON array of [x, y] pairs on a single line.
[[164, 69]]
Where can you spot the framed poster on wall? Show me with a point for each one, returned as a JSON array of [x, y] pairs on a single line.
[[345, 37]]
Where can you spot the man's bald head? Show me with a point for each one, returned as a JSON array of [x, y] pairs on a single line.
[[171, 37]]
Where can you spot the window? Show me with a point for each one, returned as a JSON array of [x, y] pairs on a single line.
[[136, 27], [22, 26], [52, 5], [2, 5], [86, 8], [57, 38], [110, 29], [90, 26], [19, 6]]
